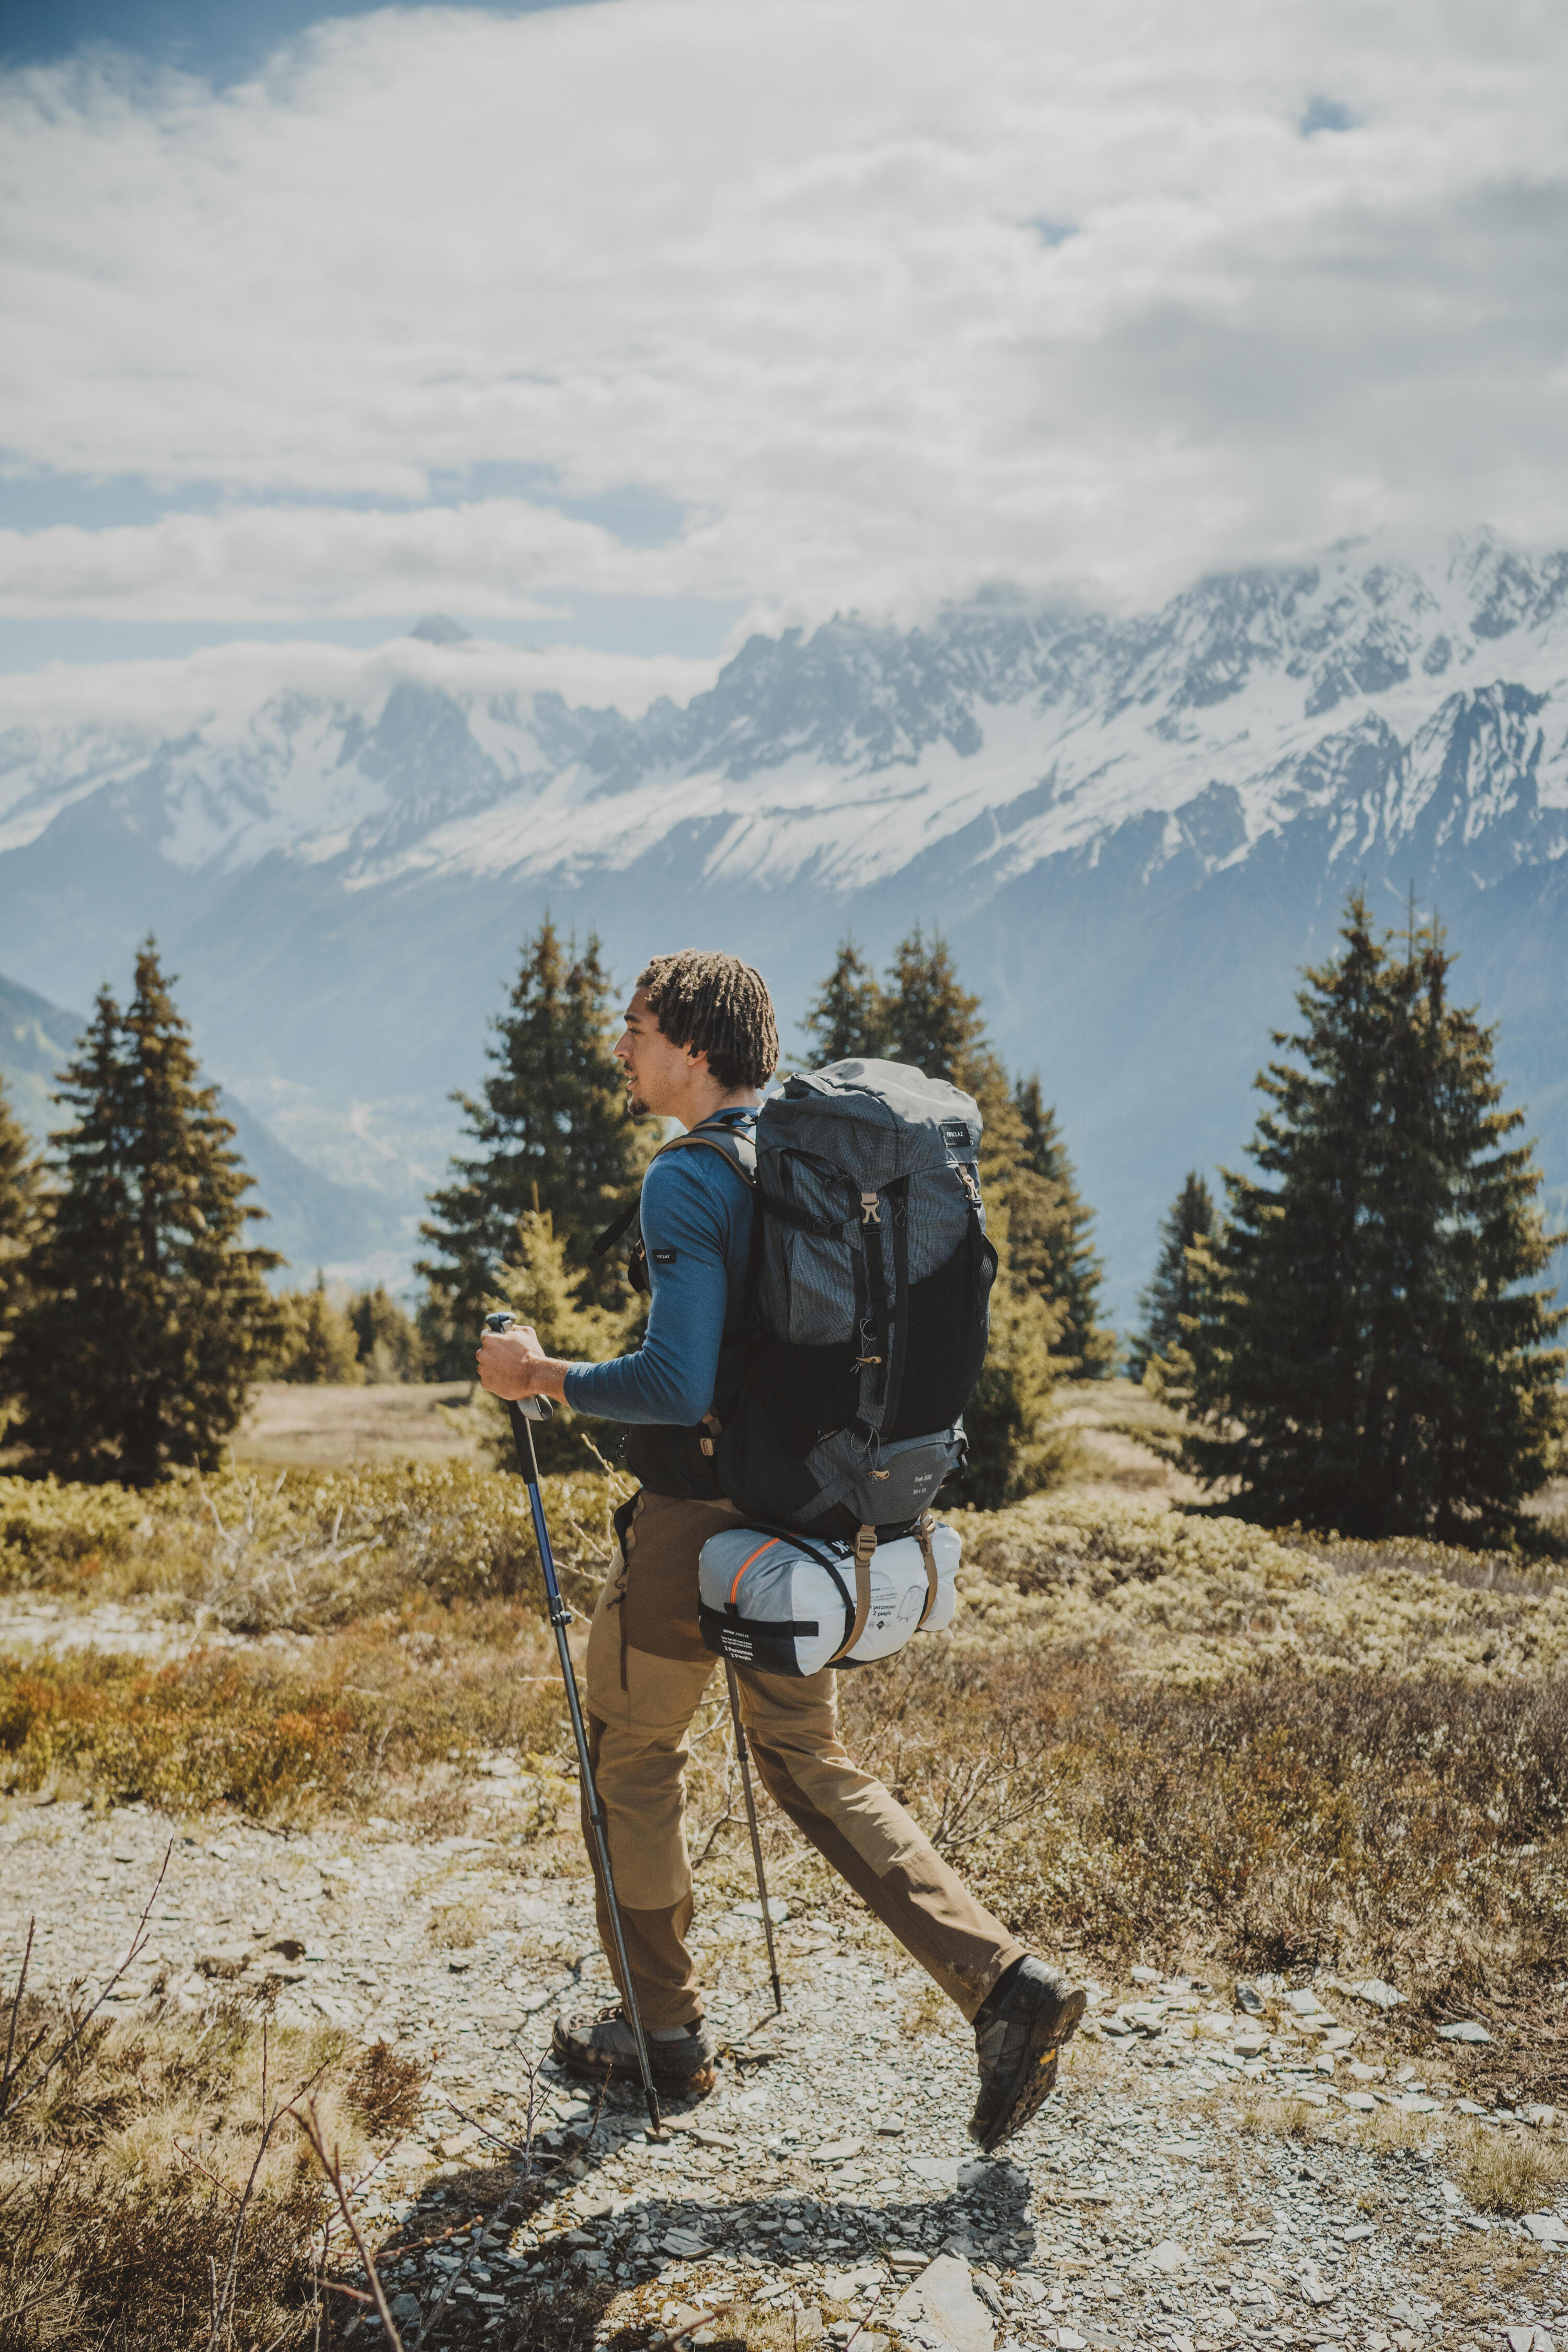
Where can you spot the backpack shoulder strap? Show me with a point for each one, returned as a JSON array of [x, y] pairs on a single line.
[[739, 1151]]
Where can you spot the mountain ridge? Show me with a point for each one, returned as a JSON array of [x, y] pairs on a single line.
[[1133, 828]]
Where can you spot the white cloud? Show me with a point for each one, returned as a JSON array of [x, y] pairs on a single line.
[[779, 263], [230, 682]]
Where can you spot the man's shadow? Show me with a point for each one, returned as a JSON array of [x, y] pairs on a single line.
[[574, 2271]]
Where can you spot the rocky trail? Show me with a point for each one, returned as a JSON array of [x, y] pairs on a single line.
[[828, 2186]]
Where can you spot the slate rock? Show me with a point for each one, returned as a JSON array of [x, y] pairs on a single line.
[[1546, 2229], [940, 2311], [1377, 1993], [1466, 2032], [1167, 2256], [941, 2170]]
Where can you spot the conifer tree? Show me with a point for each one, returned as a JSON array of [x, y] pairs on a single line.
[[1373, 1358], [931, 1021], [22, 1209], [149, 1315], [849, 1019], [387, 1337], [1170, 1302], [317, 1344], [553, 1136], [1053, 1229], [537, 1283]]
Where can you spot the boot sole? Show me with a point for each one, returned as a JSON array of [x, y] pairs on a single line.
[[1050, 2034]]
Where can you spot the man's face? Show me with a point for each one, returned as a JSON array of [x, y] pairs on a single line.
[[657, 1071]]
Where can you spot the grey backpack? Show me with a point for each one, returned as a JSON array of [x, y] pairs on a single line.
[[869, 1308]]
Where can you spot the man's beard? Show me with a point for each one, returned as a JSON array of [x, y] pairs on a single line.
[[635, 1102]]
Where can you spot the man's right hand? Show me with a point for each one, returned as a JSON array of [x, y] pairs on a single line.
[[513, 1365]]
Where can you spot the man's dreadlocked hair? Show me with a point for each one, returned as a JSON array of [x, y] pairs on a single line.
[[720, 1006]]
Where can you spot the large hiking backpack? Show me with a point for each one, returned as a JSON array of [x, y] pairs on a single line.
[[870, 1301]]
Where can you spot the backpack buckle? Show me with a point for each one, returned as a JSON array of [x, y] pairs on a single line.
[[870, 1209]]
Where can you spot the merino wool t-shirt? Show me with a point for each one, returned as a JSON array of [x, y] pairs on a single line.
[[696, 1216]]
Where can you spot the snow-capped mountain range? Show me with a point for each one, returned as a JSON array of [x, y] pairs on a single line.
[[1132, 831]]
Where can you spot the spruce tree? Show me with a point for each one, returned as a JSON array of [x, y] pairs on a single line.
[[553, 1135], [387, 1337], [149, 1315], [849, 1021], [931, 1021], [318, 1345], [1170, 1302], [1372, 1356], [1053, 1247], [22, 1209], [537, 1284]]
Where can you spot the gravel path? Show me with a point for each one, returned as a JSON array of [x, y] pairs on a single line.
[[830, 2173]]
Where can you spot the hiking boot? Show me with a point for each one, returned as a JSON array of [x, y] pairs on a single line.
[[603, 2049], [1018, 2038]]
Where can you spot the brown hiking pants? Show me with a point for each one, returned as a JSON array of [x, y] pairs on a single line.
[[647, 1669]]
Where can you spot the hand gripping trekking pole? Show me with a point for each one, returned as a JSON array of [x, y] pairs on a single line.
[[744, 1763], [538, 1409]]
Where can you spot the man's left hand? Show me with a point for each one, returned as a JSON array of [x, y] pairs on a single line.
[[512, 1364]]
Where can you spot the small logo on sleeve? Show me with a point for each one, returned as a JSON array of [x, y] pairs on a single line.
[[662, 1257]]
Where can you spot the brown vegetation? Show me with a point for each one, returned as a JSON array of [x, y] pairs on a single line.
[[1152, 1737]]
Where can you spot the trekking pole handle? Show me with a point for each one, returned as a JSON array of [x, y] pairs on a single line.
[[532, 1407]]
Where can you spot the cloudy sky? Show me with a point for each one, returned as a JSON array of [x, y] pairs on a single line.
[[634, 324]]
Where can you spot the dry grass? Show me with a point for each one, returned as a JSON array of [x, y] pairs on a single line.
[[1270, 1823], [1506, 2172], [926, 2011], [456, 1927], [299, 1552], [297, 1427], [158, 2170]]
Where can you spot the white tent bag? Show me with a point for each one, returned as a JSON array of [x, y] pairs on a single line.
[[791, 1604]]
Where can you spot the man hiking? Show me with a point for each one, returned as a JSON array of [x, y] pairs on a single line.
[[700, 1045]]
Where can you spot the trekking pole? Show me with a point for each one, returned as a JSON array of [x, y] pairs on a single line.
[[751, 1825], [539, 1408]]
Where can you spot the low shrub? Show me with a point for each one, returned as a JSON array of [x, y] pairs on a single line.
[[302, 1551], [1202, 1599], [280, 1737], [1394, 1825]]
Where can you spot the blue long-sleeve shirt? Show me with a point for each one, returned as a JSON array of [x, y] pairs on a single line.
[[696, 1217]]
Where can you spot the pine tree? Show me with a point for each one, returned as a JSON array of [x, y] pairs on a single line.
[[537, 1283], [149, 1315], [22, 1209], [849, 1019], [931, 1021], [1372, 1357], [554, 1136], [1170, 1302], [317, 1344], [388, 1339], [1052, 1230]]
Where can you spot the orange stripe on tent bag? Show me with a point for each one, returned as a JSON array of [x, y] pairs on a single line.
[[745, 1565]]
